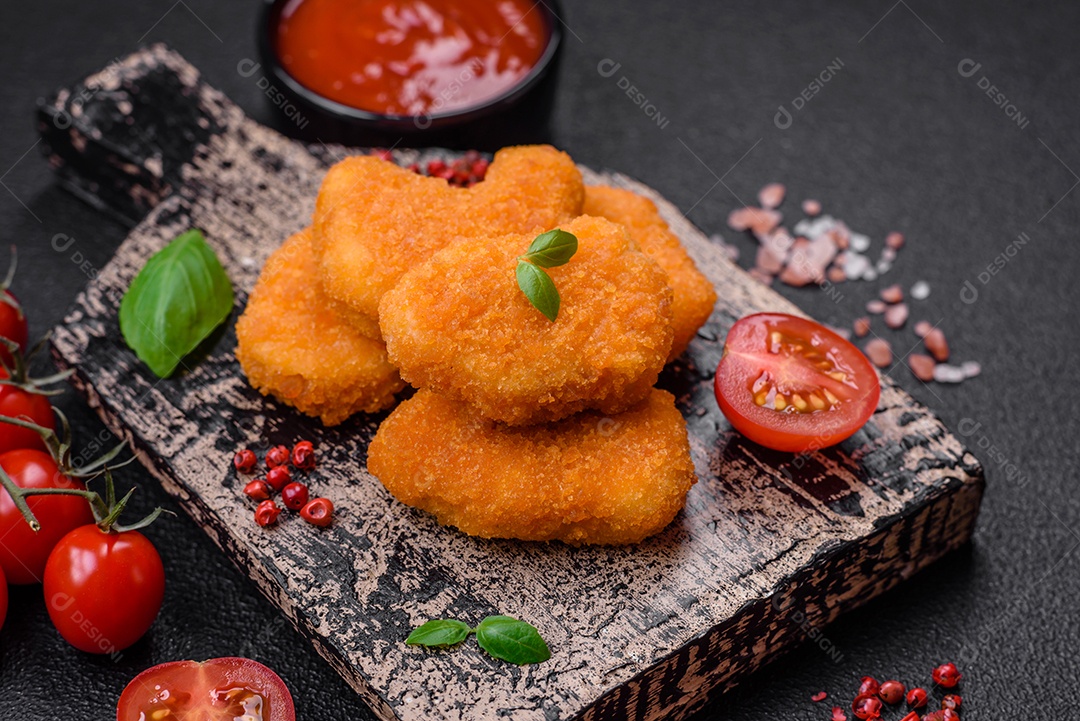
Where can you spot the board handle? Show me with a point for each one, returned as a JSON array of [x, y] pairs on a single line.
[[119, 138]]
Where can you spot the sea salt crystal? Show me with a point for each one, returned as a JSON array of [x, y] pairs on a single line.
[[921, 290], [945, 373]]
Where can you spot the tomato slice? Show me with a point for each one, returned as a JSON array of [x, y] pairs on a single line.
[[221, 689], [791, 384]]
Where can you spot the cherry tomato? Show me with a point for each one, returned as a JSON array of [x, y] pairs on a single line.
[[221, 689], [18, 403], [103, 590], [12, 326], [791, 384], [23, 553], [3, 599]]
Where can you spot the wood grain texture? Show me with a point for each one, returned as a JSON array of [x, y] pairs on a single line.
[[770, 547]]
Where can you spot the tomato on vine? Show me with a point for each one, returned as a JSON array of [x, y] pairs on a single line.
[[43, 487], [13, 324]]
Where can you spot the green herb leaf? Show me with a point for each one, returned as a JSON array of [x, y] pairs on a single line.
[[175, 302], [538, 287], [552, 249], [441, 632], [511, 640]]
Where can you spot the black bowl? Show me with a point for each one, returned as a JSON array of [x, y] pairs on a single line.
[[518, 116]]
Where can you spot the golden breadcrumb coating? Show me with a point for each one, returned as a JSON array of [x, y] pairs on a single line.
[[375, 220], [460, 325], [590, 478], [694, 294], [293, 345]]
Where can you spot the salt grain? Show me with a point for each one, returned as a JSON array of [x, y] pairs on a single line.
[[922, 366], [811, 207], [945, 373], [896, 315], [892, 294], [855, 265], [860, 242], [935, 342], [879, 352], [921, 290], [861, 326], [971, 368], [772, 195]]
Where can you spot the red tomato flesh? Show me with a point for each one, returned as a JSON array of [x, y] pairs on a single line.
[[221, 689], [791, 384], [23, 553]]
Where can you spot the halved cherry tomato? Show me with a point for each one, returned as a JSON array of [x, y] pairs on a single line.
[[791, 384], [103, 590], [15, 402], [221, 689], [23, 553]]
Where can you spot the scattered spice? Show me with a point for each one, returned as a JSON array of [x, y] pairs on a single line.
[[819, 696], [920, 291], [866, 707], [893, 294], [946, 675], [772, 195], [877, 307], [318, 512], [811, 207], [935, 342], [951, 701], [277, 456], [294, 496], [891, 692], [922, 366], [258, 490], [266, 513], [861, 326], [463, 172], [303, 455], [245, 461], [868, 686], [838, 714], [894, 240], [916, 697], [923, 327], [879, 351], [896, 315], [911, 716], [278, 477]]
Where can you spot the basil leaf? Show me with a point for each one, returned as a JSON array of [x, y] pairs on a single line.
[[539, 289], [511, 640], [552, 248], [441, 632], [175, 302]]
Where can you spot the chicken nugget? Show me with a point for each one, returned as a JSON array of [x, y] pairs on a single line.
[[375, 220], [694, 293], [460, 325], [292, 344], [589, 478]]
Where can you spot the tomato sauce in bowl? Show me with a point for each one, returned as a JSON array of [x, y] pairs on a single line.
[[410, 57]]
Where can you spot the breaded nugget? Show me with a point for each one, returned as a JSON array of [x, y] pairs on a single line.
[[292, 344], [587, 479], [375, 220], [694, 294], [460, 325]]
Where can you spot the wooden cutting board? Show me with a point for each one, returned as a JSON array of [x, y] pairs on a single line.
[[769, 548]]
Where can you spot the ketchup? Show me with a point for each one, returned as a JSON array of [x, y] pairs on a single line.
[[410, 57]]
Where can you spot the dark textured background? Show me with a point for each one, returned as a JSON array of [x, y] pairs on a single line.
[[898, 139]]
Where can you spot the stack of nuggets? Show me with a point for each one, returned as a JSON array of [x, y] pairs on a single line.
[[522, 428]]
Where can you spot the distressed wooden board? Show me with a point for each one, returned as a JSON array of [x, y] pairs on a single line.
[[768, 547]]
